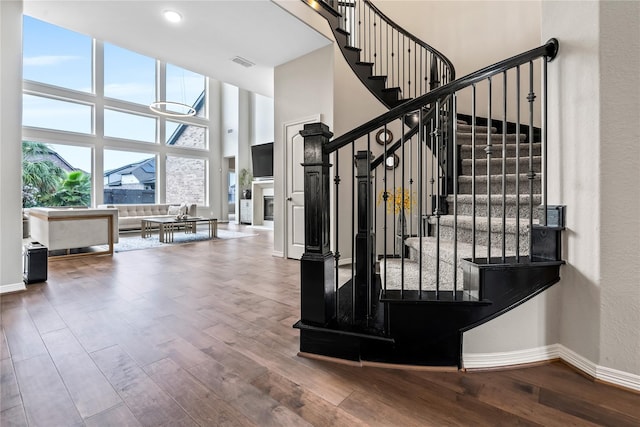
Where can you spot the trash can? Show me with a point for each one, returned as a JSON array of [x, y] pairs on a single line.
[[35, 263]]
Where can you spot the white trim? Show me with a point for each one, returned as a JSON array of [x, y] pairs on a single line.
[[508, 358], [278, 254], [620, 378], [14, 287], [550, 352], [578, 361], [285, 179], [345, 261]]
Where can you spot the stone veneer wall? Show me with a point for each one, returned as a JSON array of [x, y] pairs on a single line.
[[185, 175]]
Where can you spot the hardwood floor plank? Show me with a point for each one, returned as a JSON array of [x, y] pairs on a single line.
[[149, 404], [309, 406], [206, 408], [255, 405], [89, 389], [586, 410], [13, 417], [118, 416], [44, 316], [562, 379], [9, 391], [23, 338], [328, 386], [4, 347], [44, 395]]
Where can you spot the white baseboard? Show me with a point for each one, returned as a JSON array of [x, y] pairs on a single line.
[[550, 352], [13, 287], [508, 358], [278, 254]]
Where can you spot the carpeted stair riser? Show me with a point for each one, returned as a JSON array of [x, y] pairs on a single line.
[[496, 165], [465, 150], [465, 184], [465, 128], [465, 205], [466, 235], [412, 272], [464, 138]]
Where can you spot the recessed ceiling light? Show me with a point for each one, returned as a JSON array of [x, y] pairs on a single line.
[[172, 16]]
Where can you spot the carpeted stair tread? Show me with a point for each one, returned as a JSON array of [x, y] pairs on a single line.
[[464, 127]]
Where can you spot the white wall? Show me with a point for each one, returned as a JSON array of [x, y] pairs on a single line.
[[10, 146], [619, 179], [262, 119], [302, 87]]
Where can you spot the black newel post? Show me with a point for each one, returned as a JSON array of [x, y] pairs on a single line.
[[317, 263], [365, 239]]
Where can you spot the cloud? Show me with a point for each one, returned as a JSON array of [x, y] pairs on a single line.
[[47, 60]]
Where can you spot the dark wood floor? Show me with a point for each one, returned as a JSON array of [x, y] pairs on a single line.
[[200, 334]]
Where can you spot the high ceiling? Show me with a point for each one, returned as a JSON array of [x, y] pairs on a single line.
[[211, 33]]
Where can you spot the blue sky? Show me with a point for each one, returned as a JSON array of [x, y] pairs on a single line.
[[60, 57]]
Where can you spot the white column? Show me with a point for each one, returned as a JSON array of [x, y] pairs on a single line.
[[10, 146]]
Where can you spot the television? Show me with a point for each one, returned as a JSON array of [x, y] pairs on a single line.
[[262, 158]]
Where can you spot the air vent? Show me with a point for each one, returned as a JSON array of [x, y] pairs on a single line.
[[244, 62]]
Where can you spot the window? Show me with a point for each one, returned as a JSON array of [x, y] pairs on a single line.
[[49, 113], [56, 56], [186, 87], [129, 177], [185, 180], [55, 175], [183, 135], [129, 126], [129, 76]]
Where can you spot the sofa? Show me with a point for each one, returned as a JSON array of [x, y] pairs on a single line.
[[73, 228], [130, 216]]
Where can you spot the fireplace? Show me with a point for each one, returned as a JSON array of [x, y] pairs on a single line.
[[268, 208]]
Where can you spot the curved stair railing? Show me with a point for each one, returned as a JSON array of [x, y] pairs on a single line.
[[393, 63], [422, 251]]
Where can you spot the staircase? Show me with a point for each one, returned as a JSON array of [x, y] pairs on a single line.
[[481, 238], [470, 228]]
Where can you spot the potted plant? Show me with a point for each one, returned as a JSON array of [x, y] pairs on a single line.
[[245, 181]]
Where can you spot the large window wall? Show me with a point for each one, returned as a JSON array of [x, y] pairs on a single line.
[[82, 95]]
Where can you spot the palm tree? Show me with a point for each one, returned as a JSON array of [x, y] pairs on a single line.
[[43, 176]]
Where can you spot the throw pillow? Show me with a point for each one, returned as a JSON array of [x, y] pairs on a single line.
[[174, 210], [184, 208]]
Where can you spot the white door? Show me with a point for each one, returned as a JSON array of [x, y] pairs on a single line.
[[295, 185]]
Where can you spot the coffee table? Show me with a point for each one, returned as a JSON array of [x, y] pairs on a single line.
[[167, 226]]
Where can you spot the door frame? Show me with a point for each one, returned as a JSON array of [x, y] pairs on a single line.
[[314, 118]]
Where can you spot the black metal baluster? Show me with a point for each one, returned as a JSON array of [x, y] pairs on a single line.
[[454, 116], [518, 164], [545, 118], [488, 151], [437, 134], [504, 166], [421, 177], [473, 173], [336, 182], [353, 234], [531, 175]]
